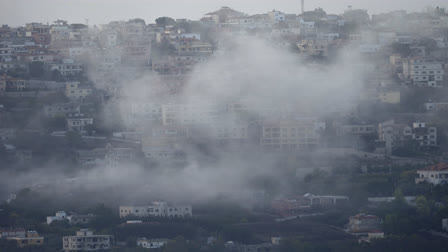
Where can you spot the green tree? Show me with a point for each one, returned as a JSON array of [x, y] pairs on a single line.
[[293, 244], [399, 223], [137, 21], [429, 43], [165, 21], [399, 197], [423, 207], [179, 244]]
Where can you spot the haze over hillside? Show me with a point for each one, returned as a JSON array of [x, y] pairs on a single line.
[[16, 12]]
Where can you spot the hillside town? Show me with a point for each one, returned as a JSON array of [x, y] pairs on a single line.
[[236, 132]]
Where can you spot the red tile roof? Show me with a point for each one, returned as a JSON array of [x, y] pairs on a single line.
[[437, 167]]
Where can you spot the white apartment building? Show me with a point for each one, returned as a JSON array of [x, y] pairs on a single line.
[[75, 52], [436, 106], [111, 39], [78, 123], [426, 136], [224, 131], [156, 209], [277, 16], [66, 67], [85, 240], [396, 135], [139, 112], [291, 134], [369, 48], [423, 72], [73, 90], [436, 174], [164, 143], [362, 129], [61, 109], [189, 114], [313, 47], [186, 36]]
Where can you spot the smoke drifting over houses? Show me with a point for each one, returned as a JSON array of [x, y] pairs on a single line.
[[234, 132], [269, 84]]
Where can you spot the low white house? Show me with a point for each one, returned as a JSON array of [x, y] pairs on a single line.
[[78, 123], [436, 174], [60, 215], [72, 219], [151, 243], [445, 225]]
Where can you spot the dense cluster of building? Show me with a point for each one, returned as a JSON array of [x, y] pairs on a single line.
[[82, 63], [156, 209], [303, 204], [80, 81]]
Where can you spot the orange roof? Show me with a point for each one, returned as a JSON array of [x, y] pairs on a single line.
[[437, 167]]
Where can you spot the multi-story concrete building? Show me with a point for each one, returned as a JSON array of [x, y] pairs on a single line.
[[12, 232], [108, 156], [188, 46], [276, 16], [11, 84], [297, 205], [436, 174], [424, 72], [313, 47], [357, 129], [396, 135], [389, 96], [156, 209], [165, 143], [189, 113], [229, 131], [85, 240], [78, 123], [62, 109], [66, 67], [32, 238], [436, 106], [292, 134], [73, 90]]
